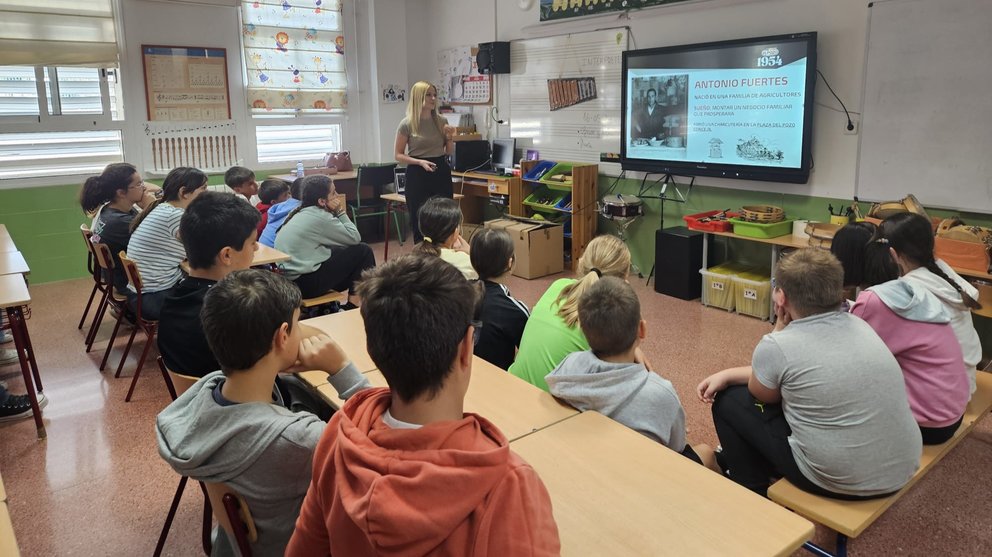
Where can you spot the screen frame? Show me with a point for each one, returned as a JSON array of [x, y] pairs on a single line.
[[507, 143], [798, 175]]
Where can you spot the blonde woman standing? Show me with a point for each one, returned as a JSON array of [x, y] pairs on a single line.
[[423, 142], [553, 332]]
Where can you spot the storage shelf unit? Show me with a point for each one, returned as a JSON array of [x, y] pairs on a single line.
[[582, 216]]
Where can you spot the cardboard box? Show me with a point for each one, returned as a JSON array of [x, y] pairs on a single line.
[[538, 248], [469, 230]]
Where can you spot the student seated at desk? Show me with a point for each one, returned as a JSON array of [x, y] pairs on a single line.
[[404, 470], [242, 181], [277, 213], [155, 244], [553, 331], [326, 249], [613, 377], [503, 316], [231, 426], [822, 403], [440, 223], [113, 199], [271, 192]]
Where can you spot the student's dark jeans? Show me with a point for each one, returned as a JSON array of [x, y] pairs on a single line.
[[755, 441], [151, 303], [339, 272]]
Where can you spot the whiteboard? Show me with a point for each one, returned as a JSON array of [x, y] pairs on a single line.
[[575, 133], [927, 122]]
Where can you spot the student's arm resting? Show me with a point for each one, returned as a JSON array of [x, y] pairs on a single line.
[[768, 368], [709, 387]]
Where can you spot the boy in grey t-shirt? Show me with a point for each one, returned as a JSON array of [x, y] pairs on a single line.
[[844, 428]]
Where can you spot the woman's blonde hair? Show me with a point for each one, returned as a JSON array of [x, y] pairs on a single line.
[[418, 94], [604, 256]]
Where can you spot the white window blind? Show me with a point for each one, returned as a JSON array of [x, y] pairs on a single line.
[[58, 33], [28, 155], [294, 57], [307, 142]]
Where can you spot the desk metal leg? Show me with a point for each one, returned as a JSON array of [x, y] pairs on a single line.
[[389, 213], [22, 344]]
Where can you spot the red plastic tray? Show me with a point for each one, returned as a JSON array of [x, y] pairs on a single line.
[[692, 221]]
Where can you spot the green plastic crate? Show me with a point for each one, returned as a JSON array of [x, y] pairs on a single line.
[[762, 230]]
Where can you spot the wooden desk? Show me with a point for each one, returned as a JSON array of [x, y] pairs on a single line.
[[348, 330], [12, 263], [6, 243], [268, 256], [616, 492], [395, 202], [516, 407], [14, 296], [476, 187], [8, 543]]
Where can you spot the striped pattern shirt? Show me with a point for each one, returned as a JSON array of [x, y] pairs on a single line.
[[156, 248]]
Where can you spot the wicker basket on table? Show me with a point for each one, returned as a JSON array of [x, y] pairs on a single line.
[[765, 214]]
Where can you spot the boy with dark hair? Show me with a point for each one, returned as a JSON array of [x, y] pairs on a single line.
[[277, 213], [217, 231], [231, 426], [403, 470], [823, 402], [613, 378], [272, 191], [242, 181]]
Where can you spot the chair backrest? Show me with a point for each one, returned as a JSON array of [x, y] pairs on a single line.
[[231, 511], [134, 279], [371, 179], [104, 259], [180, 383], [88, 240]]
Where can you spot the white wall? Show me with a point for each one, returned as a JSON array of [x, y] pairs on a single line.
[[389, 31], [841, 25]]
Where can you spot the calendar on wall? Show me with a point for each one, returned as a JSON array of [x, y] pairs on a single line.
[[459, 80]]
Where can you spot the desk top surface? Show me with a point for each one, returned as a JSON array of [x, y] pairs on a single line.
[[616, 492], [484, 176], [13, 291], [266, 255], [12, 262], [401, 198], [516, 407], [6, 243], [346, 175], [348, 330]]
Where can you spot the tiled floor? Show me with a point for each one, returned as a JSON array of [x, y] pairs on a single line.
[[96, 486]]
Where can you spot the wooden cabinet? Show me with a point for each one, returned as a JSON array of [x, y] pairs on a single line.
[[579, 218]]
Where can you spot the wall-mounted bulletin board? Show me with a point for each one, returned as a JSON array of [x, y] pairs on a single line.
[[186, 84]]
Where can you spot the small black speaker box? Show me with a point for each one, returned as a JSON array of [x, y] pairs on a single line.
[[678, 256], [493, 57]]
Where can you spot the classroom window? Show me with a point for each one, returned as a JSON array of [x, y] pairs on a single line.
[[294, 58], [30, 155], [67, 91], [306, 142]]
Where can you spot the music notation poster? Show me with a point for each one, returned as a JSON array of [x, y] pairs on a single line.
[[186, 84]]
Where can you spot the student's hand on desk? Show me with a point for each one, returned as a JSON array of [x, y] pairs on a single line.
[[427, 165], [321, 352]]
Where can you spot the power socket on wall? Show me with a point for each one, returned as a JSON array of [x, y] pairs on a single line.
[[857, 126]]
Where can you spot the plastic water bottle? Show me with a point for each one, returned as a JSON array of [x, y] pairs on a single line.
[[299, 169]]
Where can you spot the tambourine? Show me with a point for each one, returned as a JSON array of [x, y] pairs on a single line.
[[821, 234], [766, 214]]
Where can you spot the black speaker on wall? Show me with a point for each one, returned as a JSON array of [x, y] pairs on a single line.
[[493, 57], [678, 256]]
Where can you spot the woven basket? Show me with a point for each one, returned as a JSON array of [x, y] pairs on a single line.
[[762, 213]]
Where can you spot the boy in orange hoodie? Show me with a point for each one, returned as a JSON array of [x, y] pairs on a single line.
[[404, 470]]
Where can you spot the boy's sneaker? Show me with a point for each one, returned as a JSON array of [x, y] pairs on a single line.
[[18, 407], [8, 356]]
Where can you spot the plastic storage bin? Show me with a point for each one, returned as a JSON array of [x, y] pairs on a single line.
[[560, 168], [545, 200], [719, 288], [539, 169], [753, 291], [762, 230], [692, 222]]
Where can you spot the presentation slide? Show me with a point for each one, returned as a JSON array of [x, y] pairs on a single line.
[[748, 110]]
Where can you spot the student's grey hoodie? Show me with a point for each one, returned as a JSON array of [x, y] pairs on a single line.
[[261, 450], [960, 314], [626, 392]]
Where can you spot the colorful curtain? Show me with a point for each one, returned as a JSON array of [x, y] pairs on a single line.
[[294, 54]]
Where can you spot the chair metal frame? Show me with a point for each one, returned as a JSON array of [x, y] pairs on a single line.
[[105, 270], [177, 384], [93, 270], [149, 327], [375, 176], [235, 518]]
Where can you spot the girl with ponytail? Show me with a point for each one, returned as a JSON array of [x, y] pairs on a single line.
[[910, 237], [553, 332], [110, 199], [326, 248], [440, 223], [155, 244], [915, 323]]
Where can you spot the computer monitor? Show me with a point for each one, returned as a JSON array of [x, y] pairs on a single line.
[[470, 154], [503, 153]]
